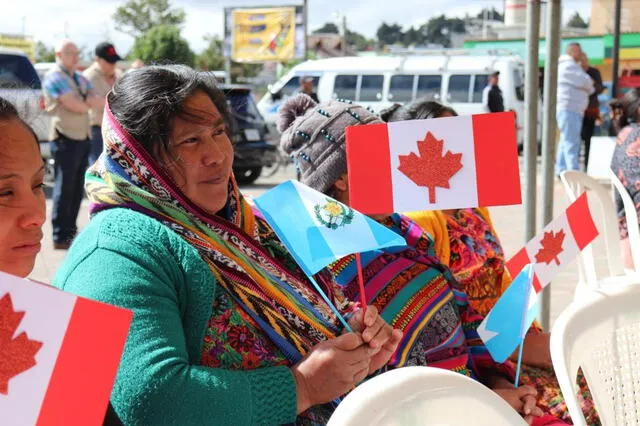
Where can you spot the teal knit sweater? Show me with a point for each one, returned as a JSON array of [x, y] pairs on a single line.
[[130, 260]]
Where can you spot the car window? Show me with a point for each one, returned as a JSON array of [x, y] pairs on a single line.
[[371, 88], [481, 81], [518, 83], [429, 86], [401, 88], [459, 88], [345, 86], [17, 72], [243, 108], [293, 86]]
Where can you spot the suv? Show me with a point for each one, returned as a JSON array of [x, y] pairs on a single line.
[[252, 148], [20, 84]]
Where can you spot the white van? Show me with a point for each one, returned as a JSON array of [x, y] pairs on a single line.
[[451, 77]]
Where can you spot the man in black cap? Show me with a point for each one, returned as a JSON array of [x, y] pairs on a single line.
[[102, 74], [492, 95]]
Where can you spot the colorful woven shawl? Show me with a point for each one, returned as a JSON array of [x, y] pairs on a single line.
[[282, 303], [416, 293]]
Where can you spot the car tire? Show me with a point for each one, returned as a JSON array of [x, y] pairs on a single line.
[[246, 176]]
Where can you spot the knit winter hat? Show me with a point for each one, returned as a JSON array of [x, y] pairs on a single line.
[[314, 135]]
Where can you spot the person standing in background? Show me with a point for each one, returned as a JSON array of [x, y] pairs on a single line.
[[492, 100], [592, 112], [102, 75], [68, 97], [306, 87], [574, 88]]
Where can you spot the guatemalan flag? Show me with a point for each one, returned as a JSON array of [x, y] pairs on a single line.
[[319, 230], [504, 328], [557, 244], [59, 355], [443, 163]]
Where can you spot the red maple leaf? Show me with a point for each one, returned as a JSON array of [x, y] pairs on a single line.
[[551, 247], [16, 354], [430, 169]]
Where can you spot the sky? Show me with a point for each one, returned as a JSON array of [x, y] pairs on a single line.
[[49, 20]]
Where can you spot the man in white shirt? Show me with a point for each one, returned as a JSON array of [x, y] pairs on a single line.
[[574, 88]]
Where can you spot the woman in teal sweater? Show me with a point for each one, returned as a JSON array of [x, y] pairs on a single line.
[[226, 328]]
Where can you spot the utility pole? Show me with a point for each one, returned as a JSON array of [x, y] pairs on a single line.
[[554, 12], [306, 29], [344, 35], [531, 117], [616, 49]]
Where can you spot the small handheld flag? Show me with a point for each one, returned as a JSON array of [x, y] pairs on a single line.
[[59, 354], [558, 244], [503, 329], [319, 230], [444, 163]]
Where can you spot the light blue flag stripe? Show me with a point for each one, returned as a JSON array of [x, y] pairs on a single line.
[[503, 328]]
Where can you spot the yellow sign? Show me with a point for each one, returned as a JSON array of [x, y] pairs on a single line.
[[19, 43], [261, 35]]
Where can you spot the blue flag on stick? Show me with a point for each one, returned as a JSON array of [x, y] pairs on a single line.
[[507, 323]]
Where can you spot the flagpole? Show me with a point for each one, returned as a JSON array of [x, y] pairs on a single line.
[[363, 296], [519, 364], [331, 305]]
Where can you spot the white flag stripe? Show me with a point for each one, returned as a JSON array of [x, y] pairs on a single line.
[[311, 199], [457, 136], [27, 390], [547, 272]]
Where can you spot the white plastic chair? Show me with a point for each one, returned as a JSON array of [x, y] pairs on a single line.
[[575, 183], [423, 396], [601, 334]]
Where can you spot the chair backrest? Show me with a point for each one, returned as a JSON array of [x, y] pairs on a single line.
[[601, 334], [631, 215], [423, 396], [575, 183]]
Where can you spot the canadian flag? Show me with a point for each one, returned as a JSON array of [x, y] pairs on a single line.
[[557, 245], [59, 355], [444, 163]]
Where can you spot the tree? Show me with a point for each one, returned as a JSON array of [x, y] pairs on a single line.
[[328, 28], [211, 58], [358, 41], [137, 17], [44, 53], [389, 34], [492, 15], [438, 29], [163, 44], [576, 21], [412, 37]]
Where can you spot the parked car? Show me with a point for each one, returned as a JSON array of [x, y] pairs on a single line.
[[20, 84], [252, 145]]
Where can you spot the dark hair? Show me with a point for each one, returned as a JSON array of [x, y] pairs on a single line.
[[146, 101], [9, 112], [631, 104], [420, 109]]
